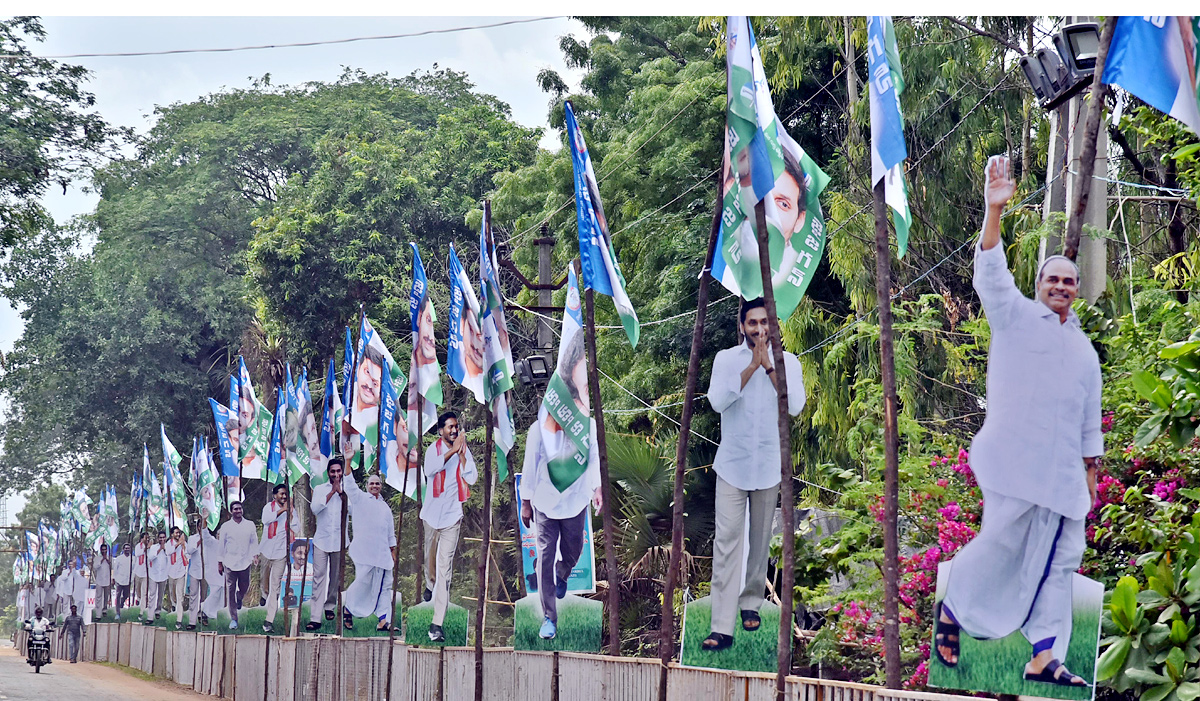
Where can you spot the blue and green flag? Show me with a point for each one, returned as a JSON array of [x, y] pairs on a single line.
[[597, 257], [764, 164], [888, 149]]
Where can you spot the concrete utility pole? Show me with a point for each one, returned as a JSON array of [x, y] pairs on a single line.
[[1093, 252], [545, 244], [1056, 178]]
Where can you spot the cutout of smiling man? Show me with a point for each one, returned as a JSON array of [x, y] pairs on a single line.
[[1035, 459]]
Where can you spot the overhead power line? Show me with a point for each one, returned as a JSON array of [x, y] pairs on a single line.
[[292, 45]]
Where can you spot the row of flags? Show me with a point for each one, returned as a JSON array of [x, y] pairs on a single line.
[[83, 523]]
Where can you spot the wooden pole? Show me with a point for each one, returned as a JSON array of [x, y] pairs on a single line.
[[400, 529], [891, 490], [287, 537], [420, 494], [1087, 156], [347, 469], [610, 550], [666, 640], [485, 551], [308, 551], [787, 566]]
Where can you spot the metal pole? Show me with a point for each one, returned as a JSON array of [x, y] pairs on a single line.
[[484, 552], [666, 640], [787, 567], [891, 490], [545, 246], [1087, 157], [610, 550]]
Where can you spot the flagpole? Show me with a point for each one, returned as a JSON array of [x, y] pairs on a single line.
[[399, 518], [610, 551], [287, 537], [666, 641], [146, 556], [347, 469], [891, 490], [420, 492], [784, 660], [484, 552]]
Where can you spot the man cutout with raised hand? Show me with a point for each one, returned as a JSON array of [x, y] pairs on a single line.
[[373, 551], [743, 391], [1035, 459]]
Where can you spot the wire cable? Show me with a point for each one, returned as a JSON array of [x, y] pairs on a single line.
[[230, 49]]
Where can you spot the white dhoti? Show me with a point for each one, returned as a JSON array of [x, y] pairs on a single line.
[[210, 605], [1016, 574], [370, 593]]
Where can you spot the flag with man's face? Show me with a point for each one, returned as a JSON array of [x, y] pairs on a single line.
[[331, 410], [82, 510], [275, 456], [173, 479], [254, 427], [114, 529], [393, 444], [465, 347], [364, 401], [497, 351], [763, 163], [597, 257], [1157, 59], [156, 504], [295, 448], [426, 371], [208, 497], [565, 416], [888, 149]]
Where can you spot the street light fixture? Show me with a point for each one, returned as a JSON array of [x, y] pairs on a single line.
[[1063, 72]]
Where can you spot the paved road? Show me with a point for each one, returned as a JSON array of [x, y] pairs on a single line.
[[63, 680]]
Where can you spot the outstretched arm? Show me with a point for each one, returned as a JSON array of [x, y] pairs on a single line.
[[997, 191]]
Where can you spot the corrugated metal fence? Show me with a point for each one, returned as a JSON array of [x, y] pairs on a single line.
[[256, 667]]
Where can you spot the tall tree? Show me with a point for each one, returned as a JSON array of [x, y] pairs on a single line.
[[49, 131]]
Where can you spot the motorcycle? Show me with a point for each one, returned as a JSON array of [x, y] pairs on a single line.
[[37, 653]]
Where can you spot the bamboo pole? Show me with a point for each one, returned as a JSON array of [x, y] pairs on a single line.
[[1087, 155], [347, 469], [400, 527], [784, 659], [666, 640], [485, 550], [287, 536], [891, 489], [610, 551]]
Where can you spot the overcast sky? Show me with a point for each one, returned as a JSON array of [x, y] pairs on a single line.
[[502, 61]]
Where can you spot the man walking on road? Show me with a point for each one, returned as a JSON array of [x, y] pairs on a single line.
[[274, 548], [239, 549], [744, 391], [449, 468], [1035, 459], [326, 504], [73, 627]]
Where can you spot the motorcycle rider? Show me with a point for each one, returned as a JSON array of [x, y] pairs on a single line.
[[38, 624]]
